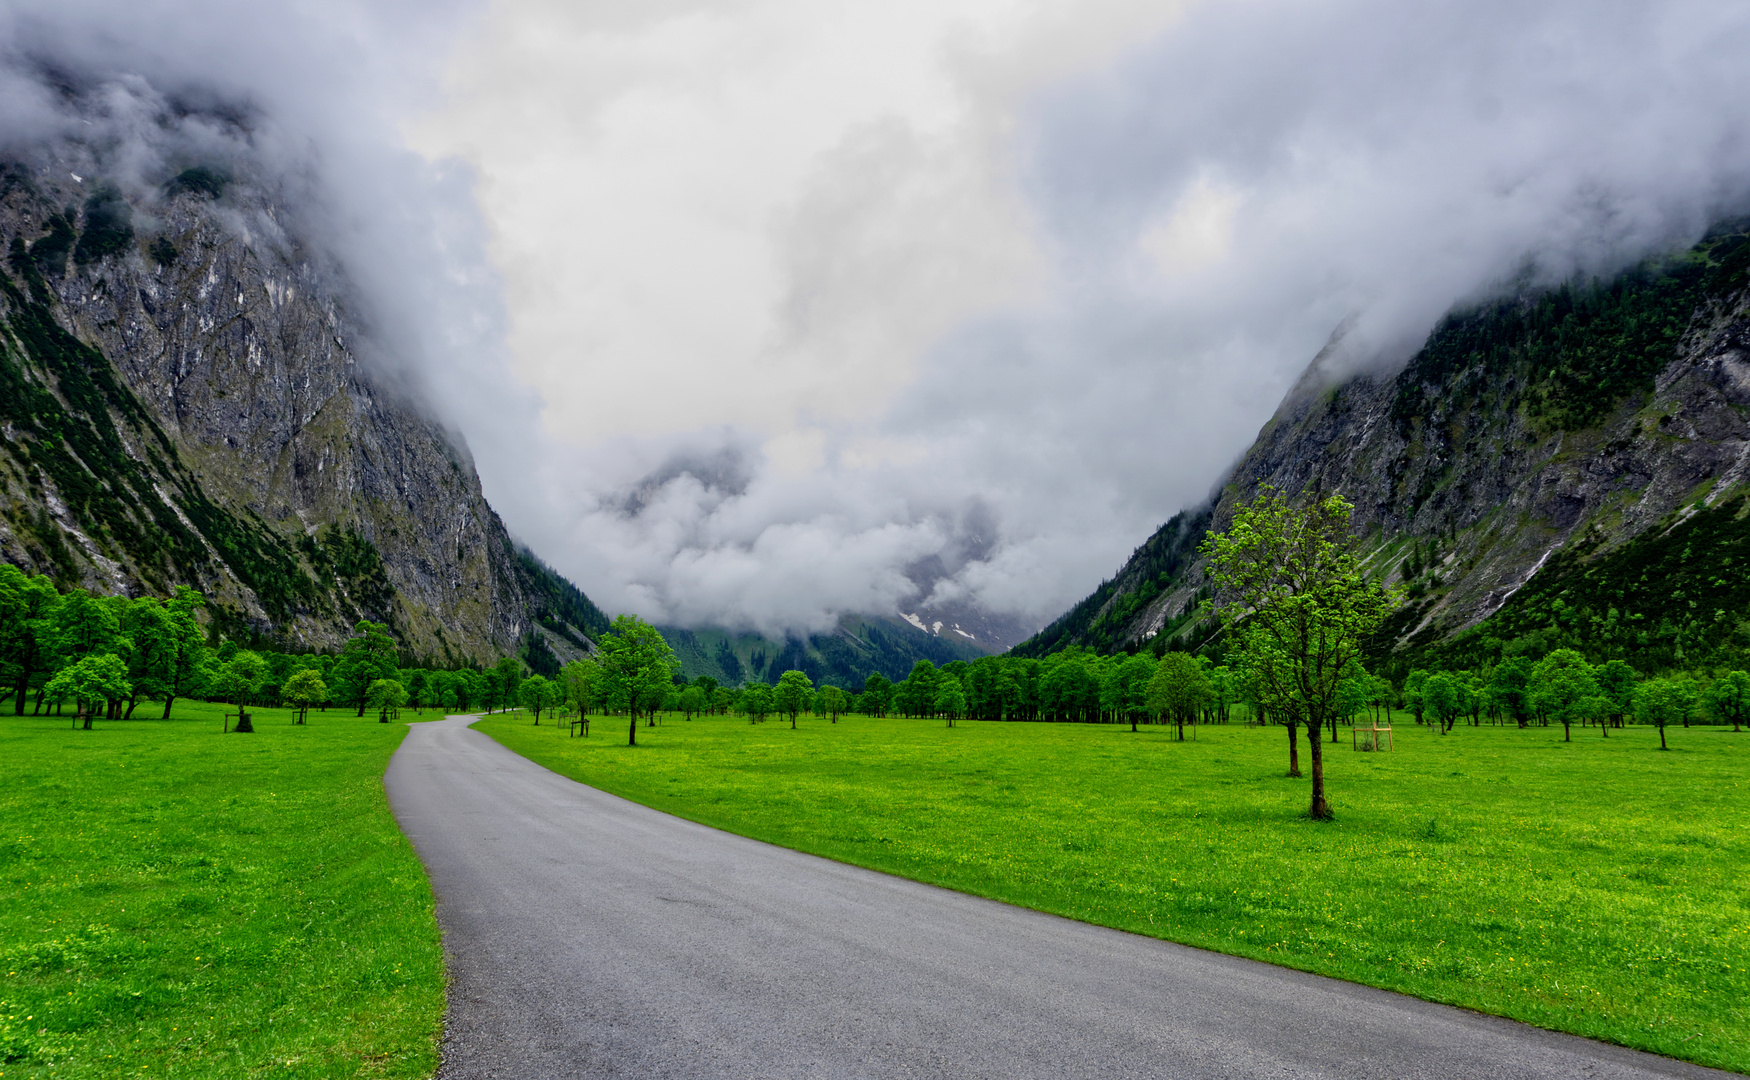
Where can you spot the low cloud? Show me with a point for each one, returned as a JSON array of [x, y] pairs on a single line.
[[759, 311]]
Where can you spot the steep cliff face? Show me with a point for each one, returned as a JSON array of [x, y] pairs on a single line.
[[1540, 434], [186, 403]]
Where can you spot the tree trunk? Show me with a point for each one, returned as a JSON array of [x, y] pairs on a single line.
[[1293, 750], [632, 735], [168, 698], [132, 702], [1567, 730], [243, 723], [1319, 810], [1662, 745]]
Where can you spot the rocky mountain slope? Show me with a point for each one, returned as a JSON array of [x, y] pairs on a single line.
[[1570, 438], [184, 402]]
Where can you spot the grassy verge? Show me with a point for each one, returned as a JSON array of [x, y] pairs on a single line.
[[185, 903], [1598, 887]]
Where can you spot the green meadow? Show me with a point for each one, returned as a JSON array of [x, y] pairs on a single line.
[[1599, 887], [185, 903]]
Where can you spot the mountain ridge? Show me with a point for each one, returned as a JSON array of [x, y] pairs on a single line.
[[187, 404], [1594, 412]]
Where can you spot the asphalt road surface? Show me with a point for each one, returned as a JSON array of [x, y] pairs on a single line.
[[592, 937]]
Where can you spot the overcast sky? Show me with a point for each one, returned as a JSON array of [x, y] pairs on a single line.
[[747, 306]]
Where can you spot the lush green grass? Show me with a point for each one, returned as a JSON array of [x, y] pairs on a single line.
[[190, 904], [1599, 887]]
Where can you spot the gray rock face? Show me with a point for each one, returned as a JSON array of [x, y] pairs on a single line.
[[1493, 488], [239, 342]]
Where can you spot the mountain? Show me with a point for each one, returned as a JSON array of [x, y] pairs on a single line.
[[184, 401], [1563, 466], [856, 648]]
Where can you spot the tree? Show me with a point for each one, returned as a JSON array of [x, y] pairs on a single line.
[[149, 627], [367, 656], [832, 702], [1178, 688], [27, 610], [950, 699], [1353, 697], [304, 689], [1510, 688], [692, 702], [581, 679], [792, 693], [1297, 608], [84, 625], [877, 691], [1729, 698], [1616, 682], [636, 665], [190, 645], [1560, 683], [756, 702], [1444, 696], [508, 673], [468, 687], [1130, 682], [418, 683], [1413, 699], [533, 695], [91, 681], [1664, 701], [386, 696]]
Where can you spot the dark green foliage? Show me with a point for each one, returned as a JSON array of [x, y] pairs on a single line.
[[163, 252], [1572, 354], [555, 602], [111, 493], [539, 655], [49, 252], [199, 180], [346, 558], [1674, 596], [843, 658], [18, 257], [109, 226], [1153, 568]]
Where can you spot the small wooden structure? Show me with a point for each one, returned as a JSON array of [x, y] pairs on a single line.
[[1368, 738]]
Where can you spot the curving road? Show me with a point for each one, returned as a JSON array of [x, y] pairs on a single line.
[[592, 937]]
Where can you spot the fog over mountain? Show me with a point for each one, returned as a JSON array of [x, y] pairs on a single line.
[[760, 311]]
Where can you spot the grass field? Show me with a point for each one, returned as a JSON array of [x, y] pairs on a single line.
[[1599, 887], [191, 904]]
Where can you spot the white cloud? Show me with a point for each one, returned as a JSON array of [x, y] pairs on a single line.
[[813, 302]]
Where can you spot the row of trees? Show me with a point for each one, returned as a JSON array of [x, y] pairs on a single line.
[[106, 654], [1564, 688]]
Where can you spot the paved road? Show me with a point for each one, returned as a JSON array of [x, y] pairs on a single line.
[[592, 937]]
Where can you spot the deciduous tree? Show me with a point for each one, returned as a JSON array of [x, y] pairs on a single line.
[[1297, 606], [792, 693], [386, 696], [637, 666], [91, 681], [304, 689], [1729, 698], [1178, 688], [1560, 683]]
